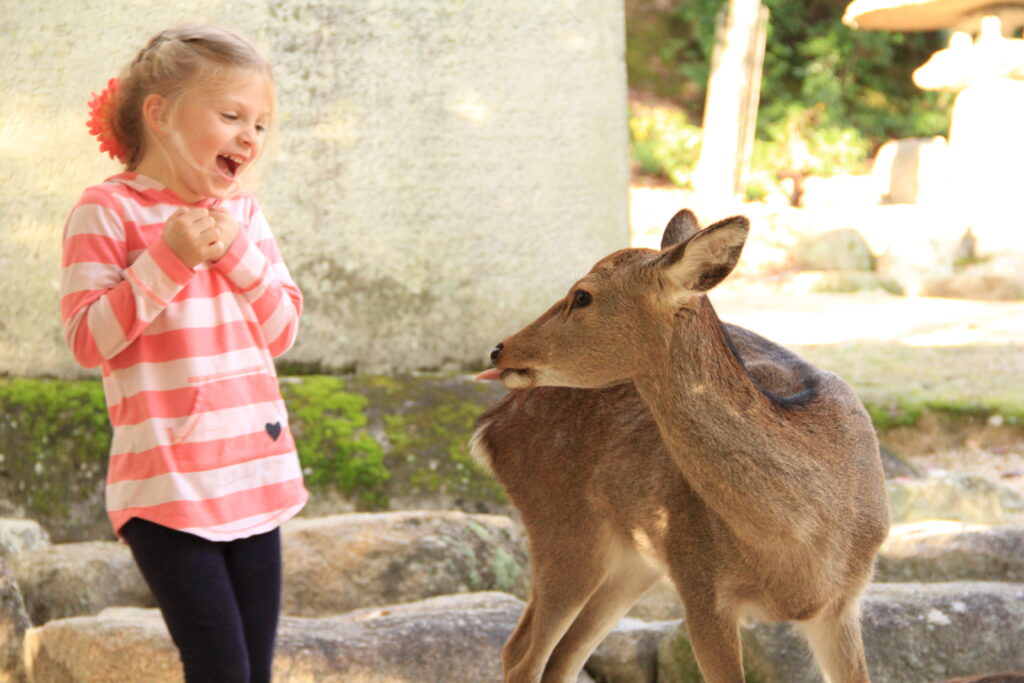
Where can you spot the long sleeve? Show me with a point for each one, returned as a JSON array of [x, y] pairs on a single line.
[[106, 303], [254, 264]]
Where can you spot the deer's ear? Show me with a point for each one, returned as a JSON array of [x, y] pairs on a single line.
[[681, 228], [705, 259]]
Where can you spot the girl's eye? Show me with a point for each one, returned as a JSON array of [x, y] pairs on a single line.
[[260, 128], [230, 117], [581, 299]]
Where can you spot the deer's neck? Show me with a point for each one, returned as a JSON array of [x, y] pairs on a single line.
[[698, 390]]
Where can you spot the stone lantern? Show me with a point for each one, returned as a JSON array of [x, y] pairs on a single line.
[[984, 65]]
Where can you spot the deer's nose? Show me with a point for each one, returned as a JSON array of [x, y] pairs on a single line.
[[496, 352]]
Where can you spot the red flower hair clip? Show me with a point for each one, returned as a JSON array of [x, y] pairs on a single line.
[[102, 107]]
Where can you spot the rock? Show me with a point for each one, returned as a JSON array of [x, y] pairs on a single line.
[[929, 632], [914, 243], [13, 624], [70, 579], [912, 633], [343, 562], [968, 498], [331, 565], [996, 277], [843, 249], [660, 603], [629, 654], [1005, 677], [852, 281], [450, 638], [17, 535], [976, 285], [951, 551], [119, 644], [909, 170], [895, 465]]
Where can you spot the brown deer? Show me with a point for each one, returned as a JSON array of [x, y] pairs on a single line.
[[653, 438]]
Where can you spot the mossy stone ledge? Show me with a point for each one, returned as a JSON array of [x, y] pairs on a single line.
[[366, 442]]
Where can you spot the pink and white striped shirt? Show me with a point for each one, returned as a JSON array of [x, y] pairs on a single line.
[[201, 441]]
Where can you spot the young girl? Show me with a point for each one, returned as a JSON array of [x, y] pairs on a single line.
[[173, 285]]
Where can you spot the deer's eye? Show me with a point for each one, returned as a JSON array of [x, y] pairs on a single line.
[[581, 299]]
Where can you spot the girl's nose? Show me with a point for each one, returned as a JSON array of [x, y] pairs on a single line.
[[249, 136]]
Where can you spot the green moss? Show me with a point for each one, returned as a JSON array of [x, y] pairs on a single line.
[[676, 661], [894, 412], [900, 384], [428, 421], [54, 441], [508, 573], [481, 532], [335, 448]]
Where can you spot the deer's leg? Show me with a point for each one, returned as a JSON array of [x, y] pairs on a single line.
[[563, 581], [835, 639], [714, 634], [519, 642], [621, 588], [716, 645]]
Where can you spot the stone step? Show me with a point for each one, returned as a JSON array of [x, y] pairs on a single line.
[[448, 638], [913, 633], [332, 565], [951, 551]]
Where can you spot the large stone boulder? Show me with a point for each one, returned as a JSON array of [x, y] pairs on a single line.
[[629, 654], [70, 579], [912, 633], [17, 535], [951, 551], [343, 562], [968, 498], [119, 644], [842, 249], [1000, 278], [13, 624], [927, 632], [660, 603], [909, 170], [449, 638]]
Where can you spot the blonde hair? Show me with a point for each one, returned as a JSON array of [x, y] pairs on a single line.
[[175, 63]]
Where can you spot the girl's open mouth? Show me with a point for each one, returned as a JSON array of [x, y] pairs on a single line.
[[228, 165]]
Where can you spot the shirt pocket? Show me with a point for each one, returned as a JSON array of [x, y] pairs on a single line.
[[205, 387]]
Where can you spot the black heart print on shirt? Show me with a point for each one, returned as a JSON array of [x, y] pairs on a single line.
[[274, 429]]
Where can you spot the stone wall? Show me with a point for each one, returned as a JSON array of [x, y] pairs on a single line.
[[443, 169]]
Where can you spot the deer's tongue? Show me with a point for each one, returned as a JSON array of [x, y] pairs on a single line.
[[492, 374]]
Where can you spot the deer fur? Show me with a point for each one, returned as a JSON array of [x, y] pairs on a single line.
[[645, 437]]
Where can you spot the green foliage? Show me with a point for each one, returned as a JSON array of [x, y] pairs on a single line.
[[829, 94], [54, 441], [663, 143], [668, 48], [798, 142], [334, 447], [861, 79]]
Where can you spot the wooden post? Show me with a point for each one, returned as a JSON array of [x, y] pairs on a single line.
[[730, 109]]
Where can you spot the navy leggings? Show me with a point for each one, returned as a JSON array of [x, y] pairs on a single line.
[[220, 600]]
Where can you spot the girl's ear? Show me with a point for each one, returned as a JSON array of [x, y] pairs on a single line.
[[703, 260], [156, 114]]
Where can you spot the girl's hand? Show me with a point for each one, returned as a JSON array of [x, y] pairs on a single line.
[[192, 234], [227, 226]]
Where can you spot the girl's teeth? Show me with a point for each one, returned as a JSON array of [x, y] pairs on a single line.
[[228, 165]]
